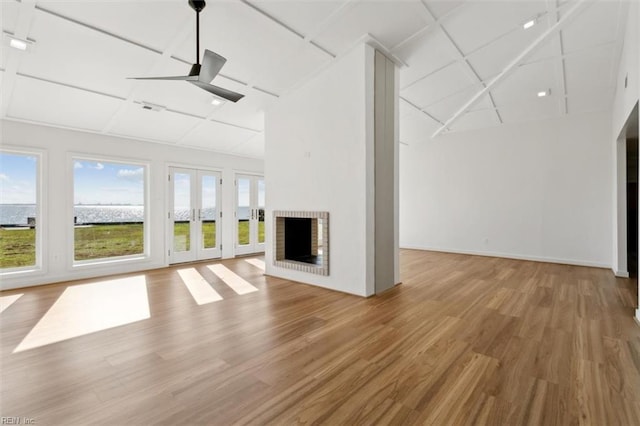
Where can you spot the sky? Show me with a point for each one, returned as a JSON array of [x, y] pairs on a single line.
[[18, 175], [100, 182]]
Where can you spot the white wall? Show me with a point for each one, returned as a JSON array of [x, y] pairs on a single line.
[[624, 101], [626, 98], [57, 145], [319, 146], [539, 190]]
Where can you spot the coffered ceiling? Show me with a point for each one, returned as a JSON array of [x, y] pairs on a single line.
[[464, 64]]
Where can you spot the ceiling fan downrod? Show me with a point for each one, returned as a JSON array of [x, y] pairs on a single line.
[[197, 5]]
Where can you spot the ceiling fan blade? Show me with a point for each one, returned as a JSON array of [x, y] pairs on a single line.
[[178, 77], [211, 65], [219, 91]]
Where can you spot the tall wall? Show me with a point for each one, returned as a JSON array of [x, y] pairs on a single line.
[[57, 145], [538, 191], [316, 153], [320, 156], [624, 101]]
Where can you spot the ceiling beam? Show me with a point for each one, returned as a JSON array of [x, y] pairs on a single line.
[[554, 15], [459, 52], [569, 15]]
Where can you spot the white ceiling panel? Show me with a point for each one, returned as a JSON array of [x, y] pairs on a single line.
[[492, 58], [217, 137], [301, 16], [485, 21], [9, 11], [254, 147], [475, 120], [425, 54], [532, 109], [595, 25], [295, 65], [439, 85], [151, 23], [448, 106], [161, 126], [440, 8], [389, 22], [69, 53], [248, 112], [524, 83], [589, 70], [596, 99], [44, 102]]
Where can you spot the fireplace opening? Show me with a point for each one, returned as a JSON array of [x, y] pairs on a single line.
[[302, 241]]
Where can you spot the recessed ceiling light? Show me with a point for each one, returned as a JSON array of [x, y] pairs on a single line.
[[544, 93], [529, 24], [216, 102], [18, 44]]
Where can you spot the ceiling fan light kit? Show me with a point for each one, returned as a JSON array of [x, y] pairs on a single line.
[[202, 75]]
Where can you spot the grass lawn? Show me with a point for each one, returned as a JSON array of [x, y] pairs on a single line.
[[18, 246], [243, 232], [101, 241]]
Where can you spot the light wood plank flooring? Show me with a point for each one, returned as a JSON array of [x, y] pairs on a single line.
[[464, 340]]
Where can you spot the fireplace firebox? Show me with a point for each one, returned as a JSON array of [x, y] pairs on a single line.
[[302, 241]]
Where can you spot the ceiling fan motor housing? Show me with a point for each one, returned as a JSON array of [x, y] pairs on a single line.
[[195, 70], [197, 5]]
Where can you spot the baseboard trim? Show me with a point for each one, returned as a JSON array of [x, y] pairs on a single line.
[[511, 256], [620, 274]]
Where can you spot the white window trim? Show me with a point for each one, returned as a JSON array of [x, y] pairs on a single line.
[[145, 256], [42, 221]]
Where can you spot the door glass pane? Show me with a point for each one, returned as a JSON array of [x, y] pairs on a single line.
[[18, 210], [260, 210], [181, 212], [208, 212], [243, 212]]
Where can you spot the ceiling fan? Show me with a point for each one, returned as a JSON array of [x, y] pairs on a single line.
[[201, 75]]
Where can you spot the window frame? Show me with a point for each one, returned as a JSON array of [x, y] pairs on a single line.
[[145, 256], [42, 217]]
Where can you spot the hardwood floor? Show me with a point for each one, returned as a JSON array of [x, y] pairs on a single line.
[[465, 340]]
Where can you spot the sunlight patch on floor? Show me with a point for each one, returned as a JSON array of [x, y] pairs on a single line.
[[231, 279], [6, 301], [199, 288], [87, 308], [256, 262]]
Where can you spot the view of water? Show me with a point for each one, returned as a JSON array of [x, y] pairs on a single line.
[[17, 214]]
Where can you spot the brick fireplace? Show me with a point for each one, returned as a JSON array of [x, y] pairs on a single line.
[[301, 241]]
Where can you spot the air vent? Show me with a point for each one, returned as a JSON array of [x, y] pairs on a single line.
[[152, 107]]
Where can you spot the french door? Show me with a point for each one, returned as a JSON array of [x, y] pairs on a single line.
[[194, 215], [249, 214]]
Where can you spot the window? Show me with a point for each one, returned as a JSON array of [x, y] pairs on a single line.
[[19, 210], [109, 209]]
